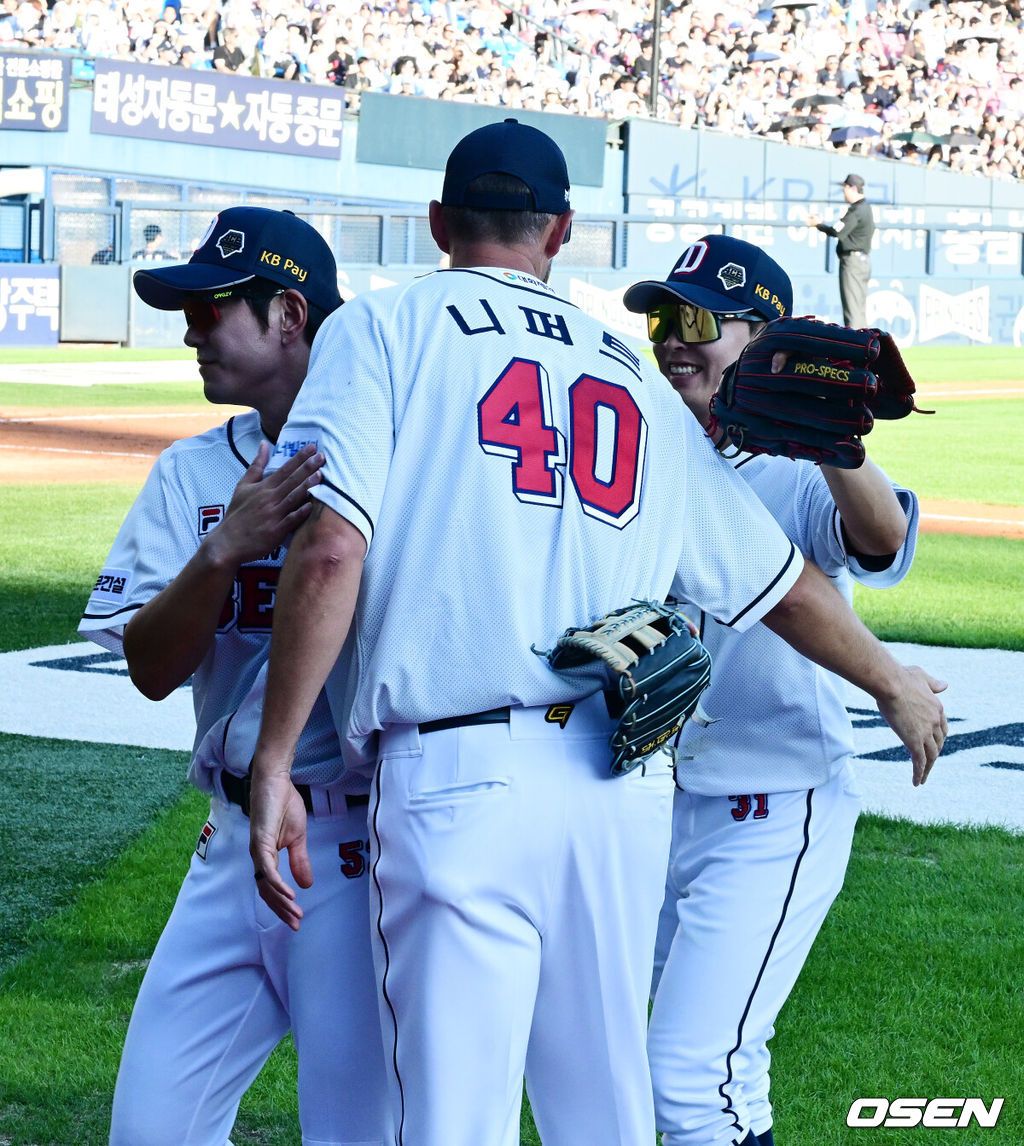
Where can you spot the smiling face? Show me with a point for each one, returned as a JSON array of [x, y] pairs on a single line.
[[694, 369]]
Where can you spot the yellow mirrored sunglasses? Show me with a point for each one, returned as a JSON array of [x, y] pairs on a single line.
[[691, 323]]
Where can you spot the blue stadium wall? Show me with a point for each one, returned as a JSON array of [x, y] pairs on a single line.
[[946, 269]]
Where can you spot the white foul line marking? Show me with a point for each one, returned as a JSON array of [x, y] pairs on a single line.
[[979, 520]]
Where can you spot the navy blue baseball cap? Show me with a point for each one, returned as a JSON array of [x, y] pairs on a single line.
[[721, 274], [240, 244], [508, 148]]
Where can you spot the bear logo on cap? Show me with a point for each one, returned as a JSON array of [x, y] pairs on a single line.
[[230, 243]]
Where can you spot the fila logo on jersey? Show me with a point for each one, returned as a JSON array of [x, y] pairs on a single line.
[[209, 516], [207, 834], [933, 1112], [559, 714]]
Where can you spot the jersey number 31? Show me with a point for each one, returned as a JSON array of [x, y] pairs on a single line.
[[607, 440]]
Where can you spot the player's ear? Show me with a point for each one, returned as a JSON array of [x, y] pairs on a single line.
[[438, 227], [558, 234], [294, 312]]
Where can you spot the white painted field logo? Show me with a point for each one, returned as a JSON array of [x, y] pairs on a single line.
[[935, 1112]]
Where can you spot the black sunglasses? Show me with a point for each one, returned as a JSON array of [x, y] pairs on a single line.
[[203, 312], [691, 323]]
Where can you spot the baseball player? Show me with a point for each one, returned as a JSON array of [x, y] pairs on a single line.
[[188, 590], [766, 799], [503, 465]]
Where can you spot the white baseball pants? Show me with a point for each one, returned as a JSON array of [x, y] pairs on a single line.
[[517, 887], [750, 882], [228, 980]]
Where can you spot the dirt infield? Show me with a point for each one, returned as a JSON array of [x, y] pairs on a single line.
[[84, 445], [67, 445]]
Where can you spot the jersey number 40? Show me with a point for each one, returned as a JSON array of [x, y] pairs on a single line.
[[603, 451]]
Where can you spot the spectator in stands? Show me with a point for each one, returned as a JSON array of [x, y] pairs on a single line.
[[156, 46], [229, 56], [298, 50], [405, 77], [196, 22], [601, 96], [435, 80], [341, 60], [513, 96], [29, 18], [317, 65], [939, 117], [366, 77], [8, 26], [153, 251], [274, 50], [829, 74], [950, 63]]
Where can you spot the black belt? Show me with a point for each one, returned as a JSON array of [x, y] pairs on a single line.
[[491, 716], [501, 716], [236, 791]]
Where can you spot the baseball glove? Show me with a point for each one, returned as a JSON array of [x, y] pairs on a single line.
[[651, 668], [835, 382]]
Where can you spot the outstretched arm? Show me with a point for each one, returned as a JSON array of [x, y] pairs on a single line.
[[816, 620], [316, 599], [873, 519], [168, 637]]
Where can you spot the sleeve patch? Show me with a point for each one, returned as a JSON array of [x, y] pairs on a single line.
[[286, 449], [112, 585]]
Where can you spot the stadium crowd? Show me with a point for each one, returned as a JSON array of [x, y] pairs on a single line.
[[926, 81]]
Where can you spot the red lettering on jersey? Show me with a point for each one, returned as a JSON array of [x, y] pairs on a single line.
[[353, 863], [742, 809], [609, 439], [258, 584], [514, 419], [758, 802], [250, 605]]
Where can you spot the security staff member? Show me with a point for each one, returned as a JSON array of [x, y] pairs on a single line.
[[854, 231]]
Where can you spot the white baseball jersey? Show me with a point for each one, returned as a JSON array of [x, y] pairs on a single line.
[[763, 693], [185, 497], [479, 430], [209, 1013], [231, 741], [762, 828]]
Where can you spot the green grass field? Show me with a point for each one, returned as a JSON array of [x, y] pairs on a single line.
[[913, 987]]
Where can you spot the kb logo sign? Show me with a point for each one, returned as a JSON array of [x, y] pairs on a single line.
[[948, 1112]]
